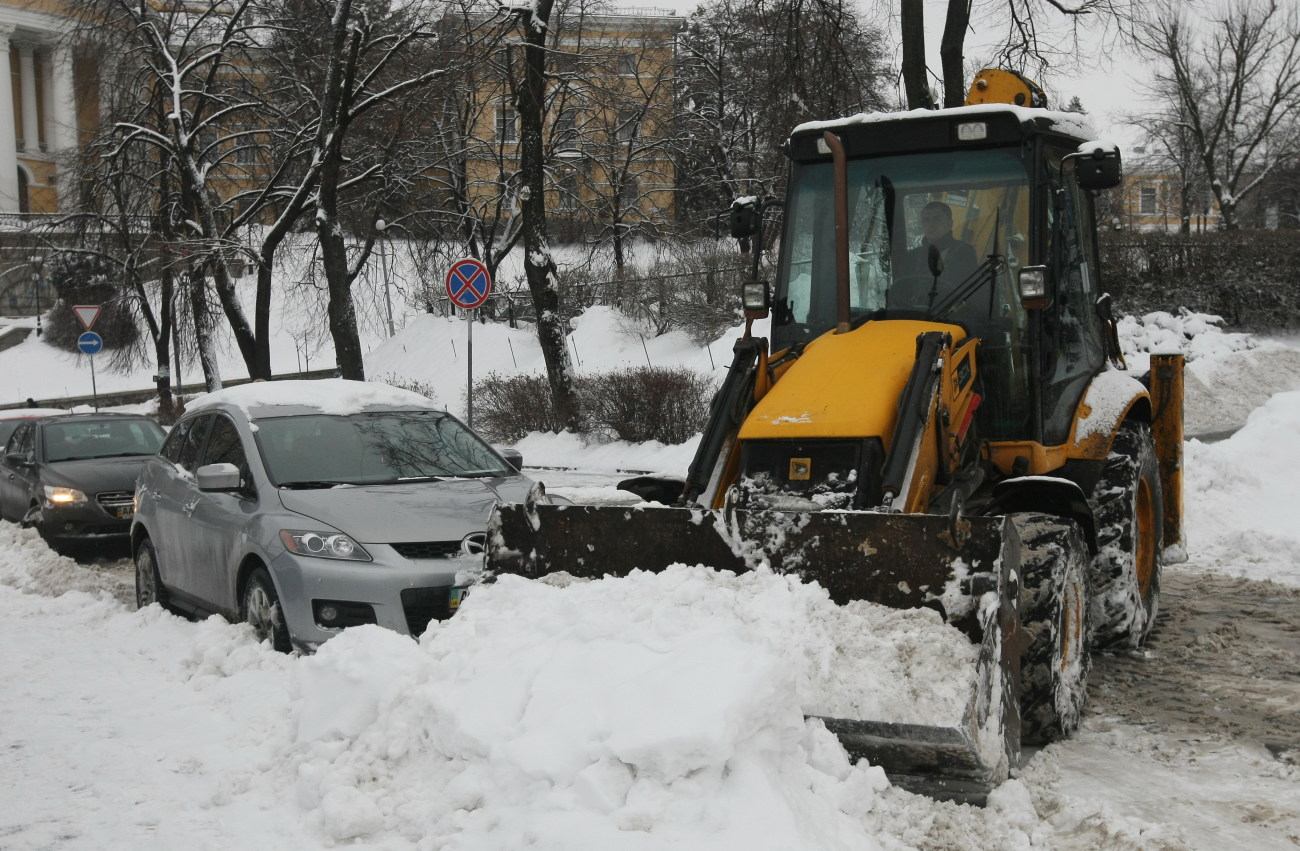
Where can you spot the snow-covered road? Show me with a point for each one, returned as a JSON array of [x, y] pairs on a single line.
[[139, 730]]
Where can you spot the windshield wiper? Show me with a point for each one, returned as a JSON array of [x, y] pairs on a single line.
[[401, 480], [313, 484]]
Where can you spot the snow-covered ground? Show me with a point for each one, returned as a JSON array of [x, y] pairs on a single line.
[[647, 713]]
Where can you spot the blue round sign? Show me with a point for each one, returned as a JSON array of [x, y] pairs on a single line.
[[468, 283], [90, 343]]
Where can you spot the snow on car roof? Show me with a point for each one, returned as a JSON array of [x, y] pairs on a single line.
[[29, 413], [329, 395]]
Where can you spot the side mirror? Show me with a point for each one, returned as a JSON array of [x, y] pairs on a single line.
[[1098, 165], [513, 457], [744, 218], [219, 477], [19, 459]]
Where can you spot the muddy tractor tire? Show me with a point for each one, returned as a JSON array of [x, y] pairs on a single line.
[[1054, 615], [1130, 517]]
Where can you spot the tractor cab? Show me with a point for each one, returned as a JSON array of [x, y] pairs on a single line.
[[979, 217]]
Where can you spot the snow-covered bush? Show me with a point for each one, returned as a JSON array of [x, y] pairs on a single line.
[[647, 403]]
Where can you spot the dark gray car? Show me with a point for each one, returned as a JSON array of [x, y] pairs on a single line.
[[73, 476], [304, 507]]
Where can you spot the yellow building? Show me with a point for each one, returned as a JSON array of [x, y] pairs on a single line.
[[609, 114], [38, 113]]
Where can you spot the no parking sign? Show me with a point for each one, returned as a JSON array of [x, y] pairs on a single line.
[[468, 286], [468, 283]]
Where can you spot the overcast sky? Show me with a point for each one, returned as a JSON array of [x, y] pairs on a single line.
[[1106, 79]]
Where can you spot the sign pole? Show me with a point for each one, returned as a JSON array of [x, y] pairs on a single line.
[[469, 378], [468, 286], [94, 390]]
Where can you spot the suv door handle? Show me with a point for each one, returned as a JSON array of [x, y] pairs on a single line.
[[190, 506]]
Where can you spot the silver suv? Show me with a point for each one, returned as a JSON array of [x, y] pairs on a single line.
[[304, 507]]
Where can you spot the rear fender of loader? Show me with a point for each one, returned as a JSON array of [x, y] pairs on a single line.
[[965, 569]]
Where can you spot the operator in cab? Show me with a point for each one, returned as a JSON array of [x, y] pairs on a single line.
[[958, 258]]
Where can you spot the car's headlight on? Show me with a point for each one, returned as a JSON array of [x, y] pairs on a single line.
[[322, 544], [63, 496]]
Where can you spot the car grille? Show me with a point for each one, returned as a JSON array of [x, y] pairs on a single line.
[[423, 605], [116, 503], [113, 499], [428, 549]]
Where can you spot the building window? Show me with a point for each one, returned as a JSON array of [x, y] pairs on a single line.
[[627, 126], [1147, 201], [566, 130], [629, 192], [627, 64], [568, 187], [506, 131]]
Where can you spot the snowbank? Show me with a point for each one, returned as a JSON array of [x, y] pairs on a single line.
[[1228, 375], [1240, 512]]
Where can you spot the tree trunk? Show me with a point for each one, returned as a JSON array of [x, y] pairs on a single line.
[[912, 25], [203, 330], [342, 310], [950, 53], [539, 266]]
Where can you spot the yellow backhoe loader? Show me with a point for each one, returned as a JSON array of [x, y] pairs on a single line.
[[942, 417]]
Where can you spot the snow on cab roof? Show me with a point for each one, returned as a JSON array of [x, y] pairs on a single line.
[[1073, 123], [329, 395]]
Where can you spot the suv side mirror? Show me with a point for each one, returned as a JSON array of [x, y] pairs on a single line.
[[218, 477], [513, 457]]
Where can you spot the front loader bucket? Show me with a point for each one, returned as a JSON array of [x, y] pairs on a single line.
[[903, 561]]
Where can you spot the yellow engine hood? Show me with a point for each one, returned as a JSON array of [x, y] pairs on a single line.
[[843, 385]]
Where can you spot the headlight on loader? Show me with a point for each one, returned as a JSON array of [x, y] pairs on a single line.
[[1033, 287]]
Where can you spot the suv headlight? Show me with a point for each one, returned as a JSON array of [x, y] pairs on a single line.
[[322, 544], [63, 496]]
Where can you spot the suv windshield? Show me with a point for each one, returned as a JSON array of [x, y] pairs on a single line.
[[77, 441], [372, 448], [964, 215]]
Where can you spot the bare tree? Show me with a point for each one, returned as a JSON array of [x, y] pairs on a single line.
[[1235, 85], [750, 73], [346, 61], [529, 87], [1038, 35]]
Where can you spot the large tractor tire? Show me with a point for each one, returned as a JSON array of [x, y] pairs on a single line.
[[1130, 527], [1054, 607]]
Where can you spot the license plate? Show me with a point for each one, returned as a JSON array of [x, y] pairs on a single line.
[[125, 512], [456, 597]]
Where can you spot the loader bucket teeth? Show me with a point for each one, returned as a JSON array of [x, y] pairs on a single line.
[[901, 561]]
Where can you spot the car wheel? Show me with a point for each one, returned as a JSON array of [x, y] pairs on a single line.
[[35, 519], [260, 608], [149, 588]]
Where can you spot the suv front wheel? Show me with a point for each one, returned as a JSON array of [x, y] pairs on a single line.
[[260, 608]]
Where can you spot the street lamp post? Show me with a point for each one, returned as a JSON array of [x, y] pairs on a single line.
[[36, 289], [382, 226]]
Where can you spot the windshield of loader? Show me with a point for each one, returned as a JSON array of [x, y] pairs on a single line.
[[965, 214]]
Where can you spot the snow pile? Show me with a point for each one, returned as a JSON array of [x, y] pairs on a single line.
[[1243, 514], [1194, 335], [653, 711], [1228, 375]]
